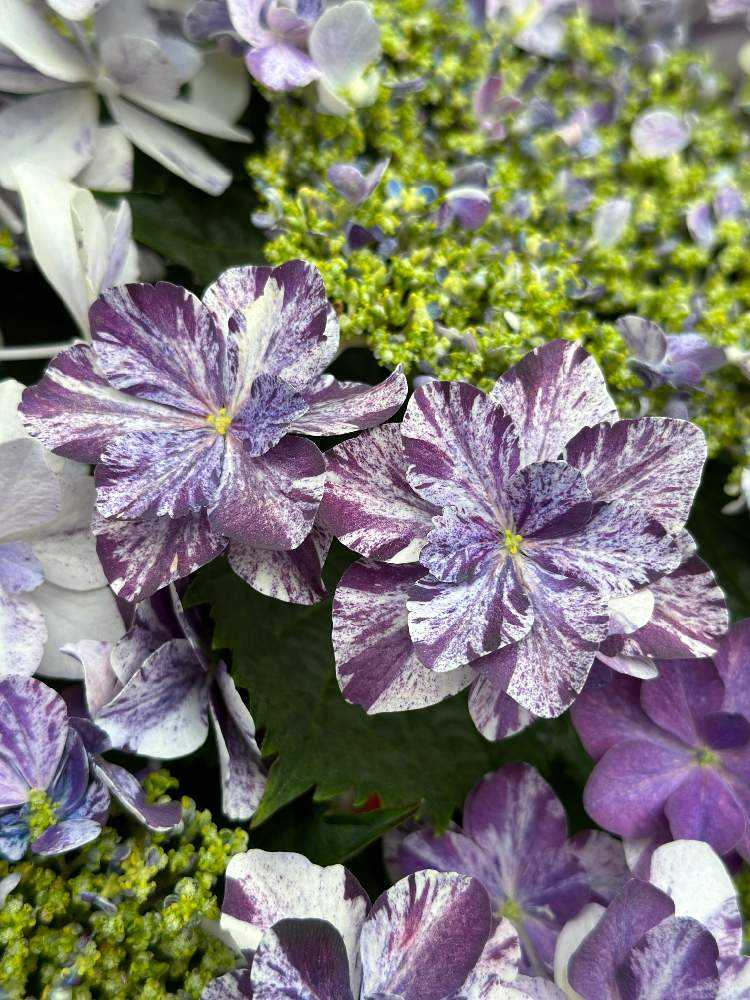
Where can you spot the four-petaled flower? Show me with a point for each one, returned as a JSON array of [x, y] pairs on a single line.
[[502, 536], [193, 412]]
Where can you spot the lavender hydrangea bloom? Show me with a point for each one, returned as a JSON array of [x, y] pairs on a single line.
[[500, 532], [277, 35], [675, 933], [192, 411], [155, 693], [514, 839], [310, 931], [680, 360], [43, 758], [676, 748]]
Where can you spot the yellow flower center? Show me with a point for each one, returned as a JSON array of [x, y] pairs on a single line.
[[511, 909], [221, 421], [513, 542], [42, 812]]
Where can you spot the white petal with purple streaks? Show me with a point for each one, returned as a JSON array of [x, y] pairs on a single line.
[[293, 576], [550, 395], [161, 817], [33, 733], [342, 407], [301, 959], [243, 776]]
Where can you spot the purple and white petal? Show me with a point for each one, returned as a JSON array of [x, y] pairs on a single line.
[[342, 407], [368, 503], [33, 734], [301, 958], [161, 817], [159, 342], [700, 223], [548, 668], [690, 614], [23, 633], [14, 834], [269, 409], [703, 807], [460, 546], [424, 936], [550, 395], [162, 711], [376, 663], [344, 42], [141, 557], [653, 463], [548, 500], [234, 985], [139, 67], [69, 785], [646, 340], [658, 134], [67, 835], [603, 858], [101, 682], [677, 958], [281, 66], [631, 784], [610, 221], [76, 412], [497, 966], [452, 851], [263, 888], [276, 320], [243, 776], [701, 888], [468, 206], [270, 500], [495, 714], [352, 184], [593, 966], [451, 624], [460, 448], [293, 576]]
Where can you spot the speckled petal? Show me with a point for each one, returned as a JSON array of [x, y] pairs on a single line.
[[150, 474], [677, 958], [243, 776], [293, 576], [460, 449], [497, 966], [276, 320], [495, 714], [368, 503], [550, 395], [270, 500], [141, 557], [268, 412], [653, 463], [68, 835], [33, 734], [424, 936], [301, 959], [548, 500], [453, 623], [161, 817], [234, 985], [263, 888], [342, 407], [76, 412], [376, 664]]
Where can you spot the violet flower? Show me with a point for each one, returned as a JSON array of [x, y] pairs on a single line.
[[48, 798], [681, 360], [674, 749], [675, 934], [307, 931], [506, 529], [703, 218], [492, 107], [352, 184], [514, 839], [192, 411], [658, 133], [277, 34], [155, 693]]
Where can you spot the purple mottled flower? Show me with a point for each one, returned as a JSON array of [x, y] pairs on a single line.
[[501, 535], [309, 931], [492, 107], [277, 34], [674, 749], [193, 411], [514, 839], [41, 754], [352, 184], [155, 693], [680, 360], [675, 934]]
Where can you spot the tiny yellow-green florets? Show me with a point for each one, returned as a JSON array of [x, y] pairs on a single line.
[[467, 305]]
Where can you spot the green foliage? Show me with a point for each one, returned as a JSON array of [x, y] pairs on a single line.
[[142, 936], [424, 761], [468, 305]]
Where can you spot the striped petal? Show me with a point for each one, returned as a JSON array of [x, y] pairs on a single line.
[[376, 664], [33, 734], [243, 776], [368, 503], [301, 959], [677, 958], [293, 576], [550, 395], [342, 407], [161, 817]]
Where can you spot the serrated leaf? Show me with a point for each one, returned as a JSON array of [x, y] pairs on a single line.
[[427, 759]]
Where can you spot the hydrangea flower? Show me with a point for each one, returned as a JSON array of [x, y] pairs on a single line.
[[675, 934], [52, 588], [676, 748], [514, 839], [135, 67], [703, 217], [500, 534], [309, 931], [658, 133], [680, 360], [193, 412], [155, 693], [48, 798]]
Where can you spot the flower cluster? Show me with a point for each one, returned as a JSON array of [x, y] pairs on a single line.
[[580, 178], [193, 412], [511, 538]]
